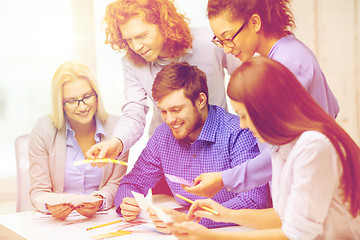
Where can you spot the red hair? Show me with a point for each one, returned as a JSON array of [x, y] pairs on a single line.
[[173, 25], [281, 110], [276, 15]]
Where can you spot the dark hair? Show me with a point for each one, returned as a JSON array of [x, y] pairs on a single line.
[[176, 76], [172, 24], [281, 110], [276, 15]]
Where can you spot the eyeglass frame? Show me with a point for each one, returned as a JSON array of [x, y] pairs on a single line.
[[220, 43], [81, 100]]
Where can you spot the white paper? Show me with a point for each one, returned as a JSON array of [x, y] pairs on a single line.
[[163, 216], [74, 199], [145, 205], [180, 180], [141, 201]]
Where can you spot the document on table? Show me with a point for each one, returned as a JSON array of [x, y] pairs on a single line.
[[60, 198]]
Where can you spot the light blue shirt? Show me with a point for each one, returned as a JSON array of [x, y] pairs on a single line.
[[83, 179], [301, 61]]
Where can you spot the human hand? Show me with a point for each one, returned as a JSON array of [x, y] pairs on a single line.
[[196, 210], [161, 226], [89, 209], [106, 149], [206, 185], [129, 208], [190, 231], [60, 211]]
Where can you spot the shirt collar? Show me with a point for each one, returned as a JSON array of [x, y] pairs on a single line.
[[283, 150], [99, 129], [208, 131]]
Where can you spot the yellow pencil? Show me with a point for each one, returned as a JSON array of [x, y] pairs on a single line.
[[103, 225], [191, 201], [77, 163]]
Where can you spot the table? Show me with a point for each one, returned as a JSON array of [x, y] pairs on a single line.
[[38, 226]]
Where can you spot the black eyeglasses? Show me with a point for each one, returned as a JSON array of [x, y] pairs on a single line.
[[229, 42], [88, 100]]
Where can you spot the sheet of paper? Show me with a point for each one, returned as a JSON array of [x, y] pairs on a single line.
[[110, 235], [140, 199], [180, 180], [163, 216], [145, 205], [74, 199]]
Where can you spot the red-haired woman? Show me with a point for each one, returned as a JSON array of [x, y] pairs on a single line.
[[316, 164], [243, 28], [152, 34]]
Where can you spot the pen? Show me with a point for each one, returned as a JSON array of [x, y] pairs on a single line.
[[191, 201], [102, 225], [77, 163]]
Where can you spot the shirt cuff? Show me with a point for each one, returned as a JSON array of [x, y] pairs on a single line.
[[103, 205]]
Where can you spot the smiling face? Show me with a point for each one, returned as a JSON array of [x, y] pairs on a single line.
[[247, 41], [143, 38], [245, 120], [184, 119], [79, 113]]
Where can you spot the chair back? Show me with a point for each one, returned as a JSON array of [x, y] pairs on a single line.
[[23, 202]]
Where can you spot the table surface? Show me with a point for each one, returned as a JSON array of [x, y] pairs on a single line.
[[37, 226]]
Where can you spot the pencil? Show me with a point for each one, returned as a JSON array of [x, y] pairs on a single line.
[[103, 225], [191, 201], [77, 163]]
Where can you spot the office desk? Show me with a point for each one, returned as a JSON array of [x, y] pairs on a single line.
[[38, 226]]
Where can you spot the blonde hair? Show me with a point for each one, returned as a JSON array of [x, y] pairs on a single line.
[[66, 72]]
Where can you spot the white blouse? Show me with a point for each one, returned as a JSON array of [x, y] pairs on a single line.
[[306, 190]]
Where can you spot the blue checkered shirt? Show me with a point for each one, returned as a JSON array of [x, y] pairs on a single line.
[[221, 145]]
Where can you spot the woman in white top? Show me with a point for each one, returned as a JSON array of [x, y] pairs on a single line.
[[316, 164]]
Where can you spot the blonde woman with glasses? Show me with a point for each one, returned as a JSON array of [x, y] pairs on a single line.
[[78, 121]]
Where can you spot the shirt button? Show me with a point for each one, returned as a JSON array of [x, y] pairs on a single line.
[[194, 155]]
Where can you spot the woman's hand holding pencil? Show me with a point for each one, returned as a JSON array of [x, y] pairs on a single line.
[[207, 208], [203, 207]]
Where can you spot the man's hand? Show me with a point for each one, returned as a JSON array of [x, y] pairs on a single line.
[[206, 185], [107, 149], [129, 208], [60, 211], [88, 209]]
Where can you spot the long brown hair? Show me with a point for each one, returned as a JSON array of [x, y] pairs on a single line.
[[172, 24], [281, 110], [276, 15]]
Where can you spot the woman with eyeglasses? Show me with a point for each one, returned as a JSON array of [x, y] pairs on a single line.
[[243, 28], [78, 121], [316, 164]]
